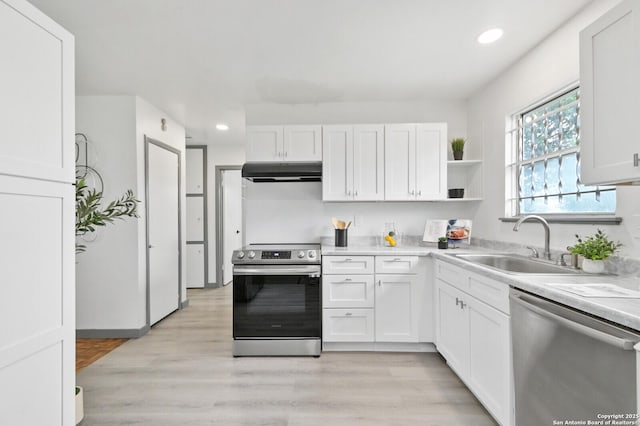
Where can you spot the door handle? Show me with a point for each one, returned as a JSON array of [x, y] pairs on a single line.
[[237, 231], [149, 246], [636, 160]]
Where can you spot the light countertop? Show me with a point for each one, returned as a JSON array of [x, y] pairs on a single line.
[[621, 311]]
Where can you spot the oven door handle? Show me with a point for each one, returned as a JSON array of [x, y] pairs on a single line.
[[311, 271]]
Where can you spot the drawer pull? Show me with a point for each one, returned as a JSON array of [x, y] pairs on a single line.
[[348, 260], [397, 259], [379, 283], [348, 279], [348, 314]]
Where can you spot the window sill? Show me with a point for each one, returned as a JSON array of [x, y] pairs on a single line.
[[589, 220]]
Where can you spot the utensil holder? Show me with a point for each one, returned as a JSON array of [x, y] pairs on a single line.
[[341, 238]]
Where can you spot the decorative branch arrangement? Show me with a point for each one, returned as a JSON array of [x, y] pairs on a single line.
[[89, 216]]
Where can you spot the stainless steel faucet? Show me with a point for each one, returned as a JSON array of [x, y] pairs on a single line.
[[545, 224]]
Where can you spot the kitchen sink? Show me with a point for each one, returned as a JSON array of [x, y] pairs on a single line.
[[516, 264]]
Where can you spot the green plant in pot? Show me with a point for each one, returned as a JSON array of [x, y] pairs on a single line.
[[443, 243], [90, 215], [457, 147], [595, 249]]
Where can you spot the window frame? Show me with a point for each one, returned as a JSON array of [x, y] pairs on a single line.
[[513, 161]]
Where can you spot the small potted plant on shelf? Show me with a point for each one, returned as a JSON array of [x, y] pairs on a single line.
[[443, 243], [457, 147], [595, 249]]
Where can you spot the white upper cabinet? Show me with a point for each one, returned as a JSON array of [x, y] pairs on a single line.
[[610, 96], [302, 143], [368, 163], [284, 143], [415, 158], [353, 163], [265, 143]]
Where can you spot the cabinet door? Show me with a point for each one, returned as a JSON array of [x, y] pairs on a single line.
[[399, 162], [489, 358], [337, 163], [347, 325], [452, 333], [195, 266], [610, 96], [195, 219], [397, 308], [302, 143], [368, 163], [195, 170], [264, 143], [431, 161], [347, 291]]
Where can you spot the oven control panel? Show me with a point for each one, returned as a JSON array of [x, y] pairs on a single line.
[[309, 254]]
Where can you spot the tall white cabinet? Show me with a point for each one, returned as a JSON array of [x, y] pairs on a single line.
[[610, 96], [197, 244], [37, 172]]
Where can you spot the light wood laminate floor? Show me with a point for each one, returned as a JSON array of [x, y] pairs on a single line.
[[182, 373]]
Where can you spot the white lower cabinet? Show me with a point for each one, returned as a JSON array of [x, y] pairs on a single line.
[[474, 337], [347, 325], [397, 308], [367, 306]]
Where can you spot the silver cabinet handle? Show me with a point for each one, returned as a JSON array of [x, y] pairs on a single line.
[[285, 154], [348, 314], [379, 283], [462, 304], [397, 259], [355, 192], [348, 192], [348, 260], [420, 192], [458, 301], [636, 161], [348, 279], [413, 192]]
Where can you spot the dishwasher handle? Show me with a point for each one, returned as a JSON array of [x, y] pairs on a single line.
[[619, 342]]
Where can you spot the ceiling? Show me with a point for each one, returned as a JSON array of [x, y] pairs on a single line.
[[202, 61]]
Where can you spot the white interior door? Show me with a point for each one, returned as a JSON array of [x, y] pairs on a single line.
[[231, 219], [163, 231]]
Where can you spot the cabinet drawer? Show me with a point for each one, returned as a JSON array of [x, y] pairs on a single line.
[[452, 275], [396, 264], [491, 292], [347, 291], [347, 264], [347, 325]]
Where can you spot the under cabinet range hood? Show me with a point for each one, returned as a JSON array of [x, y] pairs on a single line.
[[283, 172]]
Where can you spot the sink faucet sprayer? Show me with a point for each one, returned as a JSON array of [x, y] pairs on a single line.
[[545, 224]]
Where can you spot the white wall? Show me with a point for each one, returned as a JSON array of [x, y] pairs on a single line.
[[223, 154], [111, 274], [549, 67], [294, 212]]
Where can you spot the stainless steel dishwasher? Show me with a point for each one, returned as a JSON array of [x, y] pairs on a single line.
[[569, 366]]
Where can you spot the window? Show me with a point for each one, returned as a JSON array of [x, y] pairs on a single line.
[[543, 159]]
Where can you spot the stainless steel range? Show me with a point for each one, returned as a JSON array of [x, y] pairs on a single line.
[[277, 300]]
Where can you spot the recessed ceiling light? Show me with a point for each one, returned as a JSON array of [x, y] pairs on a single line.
[[222, 127], [490, 36]]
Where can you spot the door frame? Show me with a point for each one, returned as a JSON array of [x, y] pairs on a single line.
[[220, 223], [162, 145]]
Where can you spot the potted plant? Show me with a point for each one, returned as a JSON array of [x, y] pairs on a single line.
[[89, 216], [443, 243], [595, 249], [457, 146]]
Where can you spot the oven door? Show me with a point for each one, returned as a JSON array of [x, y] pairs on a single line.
[[276, 302]]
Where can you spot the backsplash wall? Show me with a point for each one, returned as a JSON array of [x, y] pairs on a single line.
[[295, 212]]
